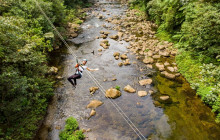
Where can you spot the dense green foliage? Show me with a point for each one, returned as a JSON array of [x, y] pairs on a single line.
[[70, 131], [25, 40], [194, 27]]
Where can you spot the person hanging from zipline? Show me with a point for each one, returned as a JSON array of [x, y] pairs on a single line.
[[79, 70]]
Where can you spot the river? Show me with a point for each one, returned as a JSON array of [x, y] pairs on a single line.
[[183, 117]]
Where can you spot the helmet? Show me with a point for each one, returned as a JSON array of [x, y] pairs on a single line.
[[85, 60]]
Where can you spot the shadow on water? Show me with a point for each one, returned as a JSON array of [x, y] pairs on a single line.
[[182, 117]]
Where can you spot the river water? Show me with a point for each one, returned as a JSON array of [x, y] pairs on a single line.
[[182, 117]]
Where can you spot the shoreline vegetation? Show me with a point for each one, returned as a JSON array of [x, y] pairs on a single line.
[[27, 79], [193, 26]]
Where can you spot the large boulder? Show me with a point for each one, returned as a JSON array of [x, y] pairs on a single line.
[[112, 93], [145, 82], [142, 93], [160, 66], [148, 60], [94, 104], [93, 89], [129, 89]]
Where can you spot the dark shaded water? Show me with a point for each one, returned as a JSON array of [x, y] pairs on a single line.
[[182, 117]]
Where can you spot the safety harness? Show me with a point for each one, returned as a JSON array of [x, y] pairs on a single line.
[[77, 67]]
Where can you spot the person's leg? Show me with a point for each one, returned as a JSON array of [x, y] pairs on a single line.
[[70, 80], [77, 76], [74, 77]]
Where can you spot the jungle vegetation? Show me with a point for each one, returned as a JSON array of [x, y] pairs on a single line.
[[26, 39]]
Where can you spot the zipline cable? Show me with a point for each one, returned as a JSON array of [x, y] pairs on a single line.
[[121, 112]]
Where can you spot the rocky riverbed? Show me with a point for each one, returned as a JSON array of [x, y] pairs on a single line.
[[157, 99]]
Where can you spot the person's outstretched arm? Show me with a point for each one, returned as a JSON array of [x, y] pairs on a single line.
[[92, 69]]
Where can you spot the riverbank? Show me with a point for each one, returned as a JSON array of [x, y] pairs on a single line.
[[195, 62]]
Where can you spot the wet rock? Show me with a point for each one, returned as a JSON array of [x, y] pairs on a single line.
[[105, 42], [161, 47], [92, 90], [112, 93], [73, 35], [156, 103], [142, 93], [149, 66], [168, 75], [120, 64], [106, 33], [148, 60], [151, 91], [129, 89], [171, 69], [126, 62], [164, 97], [173, 53], [83, 130], [164, 53], [149, 53], [104, 45], [175, 69], [92, 113], [103, 36], [138, 57], [117, 57], [160, 66], [114, 79], [94, 104], [120, 35], [115, 37], [116, 54], [58, 127], [124, 56], [53, 70], [145, 82], [166, 64], [156, 56], [102, 32]]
